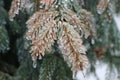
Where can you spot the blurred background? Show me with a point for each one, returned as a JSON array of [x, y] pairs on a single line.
[[103, 52]]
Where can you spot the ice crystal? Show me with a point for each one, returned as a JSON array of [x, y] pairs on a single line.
[[34, 65], [92, 41]]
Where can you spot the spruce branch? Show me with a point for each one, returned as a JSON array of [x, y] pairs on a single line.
[[42, 31], [84, 24], [16, 6], [102, 5], [72, 49], [88, 23]]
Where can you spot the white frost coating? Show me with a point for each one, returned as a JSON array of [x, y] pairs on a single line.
[[80, 76], [99, 11], [117, 20], [40, 57], [34, 65], [11, 19], [92, 41]]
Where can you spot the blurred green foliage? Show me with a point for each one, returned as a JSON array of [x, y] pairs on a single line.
[[52, 66], [4, 37]]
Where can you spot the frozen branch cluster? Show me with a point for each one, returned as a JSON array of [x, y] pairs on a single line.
[[60, 24]]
